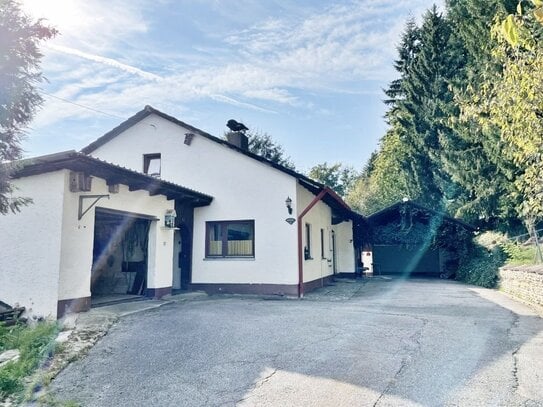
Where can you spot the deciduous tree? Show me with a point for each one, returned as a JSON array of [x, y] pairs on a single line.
[[336, 176]]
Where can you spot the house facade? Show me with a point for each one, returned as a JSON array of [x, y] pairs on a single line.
[[249, 197], [235, 236]]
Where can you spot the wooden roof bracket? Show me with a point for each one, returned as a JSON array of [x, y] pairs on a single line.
[[96, 198]]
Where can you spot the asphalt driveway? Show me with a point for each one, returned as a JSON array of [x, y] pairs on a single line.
[[376, 343]]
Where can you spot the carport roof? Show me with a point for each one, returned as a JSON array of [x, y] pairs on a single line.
[[113, 174], [390, 211]]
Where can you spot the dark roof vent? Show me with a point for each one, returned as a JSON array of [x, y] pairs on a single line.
[[238, 139]]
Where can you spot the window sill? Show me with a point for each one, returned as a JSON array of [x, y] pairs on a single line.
[[230, 258], [309, 258]]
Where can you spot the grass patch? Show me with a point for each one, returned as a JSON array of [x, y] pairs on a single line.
[[35, 344], [518, 255]]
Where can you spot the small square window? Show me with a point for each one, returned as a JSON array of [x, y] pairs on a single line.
[[151, 165]]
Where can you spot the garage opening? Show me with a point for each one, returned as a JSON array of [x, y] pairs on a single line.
[[409, 239], [415, 260], [120, 254]]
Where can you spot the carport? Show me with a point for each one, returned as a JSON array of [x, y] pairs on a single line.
[[412, 240]]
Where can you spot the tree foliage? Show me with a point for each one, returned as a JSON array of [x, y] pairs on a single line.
[[20, 59], [264, 145], [475, 163], [464, 131], [336, 176], [385, 181], [511, 103], [409, 162]]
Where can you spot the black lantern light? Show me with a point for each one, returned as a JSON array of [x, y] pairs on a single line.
[[288, 202]]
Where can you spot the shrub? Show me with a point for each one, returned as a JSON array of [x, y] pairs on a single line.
[[480, 264]]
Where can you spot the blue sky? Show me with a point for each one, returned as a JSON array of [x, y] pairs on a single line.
[[309, 73]]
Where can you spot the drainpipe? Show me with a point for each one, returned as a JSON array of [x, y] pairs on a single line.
[[300, 249]]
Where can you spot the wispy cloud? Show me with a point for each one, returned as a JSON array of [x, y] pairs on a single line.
[[261, 67], [106, 61], [231, 101]]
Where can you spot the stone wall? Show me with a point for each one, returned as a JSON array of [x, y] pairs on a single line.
[[523, 282]]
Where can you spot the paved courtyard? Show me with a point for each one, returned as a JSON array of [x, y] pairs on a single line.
[[372, 343]]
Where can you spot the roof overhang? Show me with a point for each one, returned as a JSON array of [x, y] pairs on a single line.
[[340, 210], [112, 174]]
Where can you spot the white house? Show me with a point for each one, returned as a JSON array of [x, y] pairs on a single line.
[[237, 236]]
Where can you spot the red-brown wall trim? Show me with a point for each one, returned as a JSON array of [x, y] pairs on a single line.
[[290, 290], [158, 292], [73, 305], [318, 283], [300, 250]]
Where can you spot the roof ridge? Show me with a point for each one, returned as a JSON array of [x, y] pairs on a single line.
[[148, 109]]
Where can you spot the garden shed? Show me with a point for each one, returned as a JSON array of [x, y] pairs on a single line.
[[410, 239]]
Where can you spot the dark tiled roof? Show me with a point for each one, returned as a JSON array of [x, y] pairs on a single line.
[[113, 174]]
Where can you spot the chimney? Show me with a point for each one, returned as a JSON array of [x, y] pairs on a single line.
[[238, 139]]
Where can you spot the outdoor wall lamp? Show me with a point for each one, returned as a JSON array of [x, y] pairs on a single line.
[[288, 202], [169, 218]]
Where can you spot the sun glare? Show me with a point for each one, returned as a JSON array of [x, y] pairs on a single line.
[[62, 14]]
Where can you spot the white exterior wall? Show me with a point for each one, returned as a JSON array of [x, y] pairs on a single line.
[[31, 246], [344, 247], [319, 217], [243, 189], [78, 236]]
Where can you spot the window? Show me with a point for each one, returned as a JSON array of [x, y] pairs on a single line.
[[307, 250], [322, 244], [151, 165], [230, 238]]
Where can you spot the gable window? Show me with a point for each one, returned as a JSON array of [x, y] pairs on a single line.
[[234, 238], [307, 250], [151, 165]]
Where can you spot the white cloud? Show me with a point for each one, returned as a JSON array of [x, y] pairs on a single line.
[[231, 101], [94, 25], [106, 61], [335, 49]]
